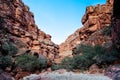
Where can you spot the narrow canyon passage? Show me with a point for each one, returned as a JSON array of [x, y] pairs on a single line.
[[90, 53]]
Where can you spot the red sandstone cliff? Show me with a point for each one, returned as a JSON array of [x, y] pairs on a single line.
[[17, 25], [96, 19]]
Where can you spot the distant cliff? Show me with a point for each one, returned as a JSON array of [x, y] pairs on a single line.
[[96, 20], [17, 25]]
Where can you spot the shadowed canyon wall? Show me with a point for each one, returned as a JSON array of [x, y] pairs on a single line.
[[116, 23]]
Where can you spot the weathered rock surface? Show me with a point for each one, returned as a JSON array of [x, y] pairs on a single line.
[[5, 76], [17, 25], [116, 24], [96, 19], [113, 72]]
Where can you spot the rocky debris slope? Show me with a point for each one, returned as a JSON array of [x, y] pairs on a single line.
[[17, 25], [95, 21]]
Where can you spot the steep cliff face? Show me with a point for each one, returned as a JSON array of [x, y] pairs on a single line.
[[95, 21], [18, 26], [116, 23]]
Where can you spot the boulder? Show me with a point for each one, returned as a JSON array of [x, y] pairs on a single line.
[[5, 76], [113, 72]]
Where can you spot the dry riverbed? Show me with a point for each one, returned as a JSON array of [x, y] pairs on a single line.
[[63, 75]]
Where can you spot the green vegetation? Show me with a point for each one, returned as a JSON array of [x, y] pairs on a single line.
[[55, 66], [9, 48], [5, 61], [30, 63], [107, 31], [7, 51], [26, 62], [86, 55], [67, 63], [97, 55]]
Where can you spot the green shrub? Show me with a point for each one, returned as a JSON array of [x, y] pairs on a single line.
[[107, 31], [56, 66], [9, 48], [5, 61], [82, 62], [87, 55], [67, 63], [108, 56], [84, 58], [30, 63], [83, 49], [77, 62]]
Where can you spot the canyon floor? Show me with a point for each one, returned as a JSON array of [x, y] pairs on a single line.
[[63, 75]]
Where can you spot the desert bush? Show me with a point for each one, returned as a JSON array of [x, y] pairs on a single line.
[[107, 31], [108, 56], [5, 61], [55, 66], [30, 63], [81, 62], [84, 58], [67, 63], [9, 48], [86, 55], [83, 49]]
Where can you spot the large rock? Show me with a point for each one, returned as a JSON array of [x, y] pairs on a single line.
[[17, 25], [5, 76], [113, 72], [95, 20]]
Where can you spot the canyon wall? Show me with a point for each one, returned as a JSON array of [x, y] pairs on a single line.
[[116, 24], [96, 20], [17, 25]]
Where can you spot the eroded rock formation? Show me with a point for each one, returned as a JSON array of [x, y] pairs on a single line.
[[95, 21], [17, 25]]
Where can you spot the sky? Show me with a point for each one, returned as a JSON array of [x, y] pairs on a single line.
[[59, 18]]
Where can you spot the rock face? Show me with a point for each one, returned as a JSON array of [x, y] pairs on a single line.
[[116, 24], [95, 21], [18, 26], [5, 76], [113, 72]]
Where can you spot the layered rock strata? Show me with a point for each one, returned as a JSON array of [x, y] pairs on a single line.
[[17, 25], [95, 21]]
